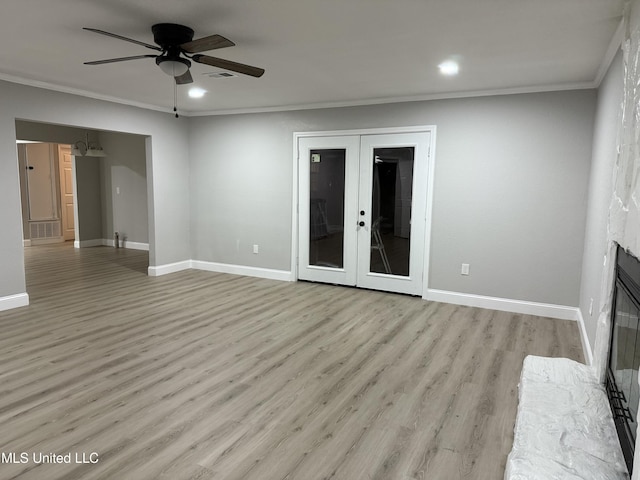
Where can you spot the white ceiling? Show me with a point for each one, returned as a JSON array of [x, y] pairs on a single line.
[[315, 52]]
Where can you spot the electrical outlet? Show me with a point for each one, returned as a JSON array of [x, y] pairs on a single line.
[[465, 269], [256, 249]]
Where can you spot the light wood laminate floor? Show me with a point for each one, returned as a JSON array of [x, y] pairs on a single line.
[[197, 375]]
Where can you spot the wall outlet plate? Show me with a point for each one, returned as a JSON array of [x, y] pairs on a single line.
[[465, 269]]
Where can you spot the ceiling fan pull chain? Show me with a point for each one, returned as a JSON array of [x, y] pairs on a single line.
[[175, 98]]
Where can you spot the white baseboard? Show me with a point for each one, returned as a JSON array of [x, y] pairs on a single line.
[[135, 245], [169, 268], [26, 243], [494, 303], [14, 301], [46, 241], [109, 242], [268, 273], [95, 242], [586, 345]]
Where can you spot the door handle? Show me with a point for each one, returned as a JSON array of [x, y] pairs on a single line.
[[361, 224]]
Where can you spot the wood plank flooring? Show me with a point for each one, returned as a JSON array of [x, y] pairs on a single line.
[[197, 375]]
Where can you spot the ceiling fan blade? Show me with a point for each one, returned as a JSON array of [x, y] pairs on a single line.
[[204, 44], [109, 34], [184, 78], [121, 59], [229, 65]]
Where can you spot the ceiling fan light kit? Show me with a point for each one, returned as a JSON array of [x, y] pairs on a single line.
[[175, 67]]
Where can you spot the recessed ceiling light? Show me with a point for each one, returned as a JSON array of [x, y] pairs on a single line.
[[449, 68], [196, 92]]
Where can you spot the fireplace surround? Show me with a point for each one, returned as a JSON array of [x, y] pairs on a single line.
[[622, 385]]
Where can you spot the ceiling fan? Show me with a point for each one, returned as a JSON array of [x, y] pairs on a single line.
[[177, 48]]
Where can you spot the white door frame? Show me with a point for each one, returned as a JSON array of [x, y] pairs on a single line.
[[369, 131]]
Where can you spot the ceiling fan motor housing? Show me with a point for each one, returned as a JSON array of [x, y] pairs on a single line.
[[171, 35]]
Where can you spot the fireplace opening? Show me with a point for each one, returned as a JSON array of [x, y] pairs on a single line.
[[624, 355]]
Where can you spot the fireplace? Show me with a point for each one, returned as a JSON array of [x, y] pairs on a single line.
[[624, 357]]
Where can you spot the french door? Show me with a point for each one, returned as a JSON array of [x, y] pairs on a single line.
[[362, 209]]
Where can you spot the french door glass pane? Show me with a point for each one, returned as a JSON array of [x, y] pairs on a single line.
[[391, 210], [326, 207]]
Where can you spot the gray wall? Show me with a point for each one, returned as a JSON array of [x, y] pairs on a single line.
[[89, 199], [510, 188], [167, 169], [51, 133], [510, 184], [124, 168], [600, 191]]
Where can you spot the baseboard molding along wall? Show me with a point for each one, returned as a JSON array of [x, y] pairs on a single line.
[[46, 241], [267, 273], [14, 301], [107, 242], [96, 242], [561, 312], [169, 268], [231, 269]]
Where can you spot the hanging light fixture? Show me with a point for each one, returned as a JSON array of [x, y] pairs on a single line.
[[173, 65], [87, 149]]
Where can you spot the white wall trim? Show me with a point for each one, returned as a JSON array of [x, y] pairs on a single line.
[[584, 338], [95, 242], [169, 268], [415, 98], [364, 131], [14, 301], [109, 242], [135, 245], [306, 106], [561, 312], [46, 241], [77, 91], [267, 273]]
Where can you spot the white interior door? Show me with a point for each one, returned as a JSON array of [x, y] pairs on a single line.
[[362, 209]]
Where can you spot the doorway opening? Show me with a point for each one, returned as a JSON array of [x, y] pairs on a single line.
[[83, 199]]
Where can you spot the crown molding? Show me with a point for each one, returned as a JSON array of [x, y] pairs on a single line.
[[79, 92], [308, 106], [614, 46], [415, 98]]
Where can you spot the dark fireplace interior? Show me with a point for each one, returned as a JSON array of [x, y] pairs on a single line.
[[624, 357]]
